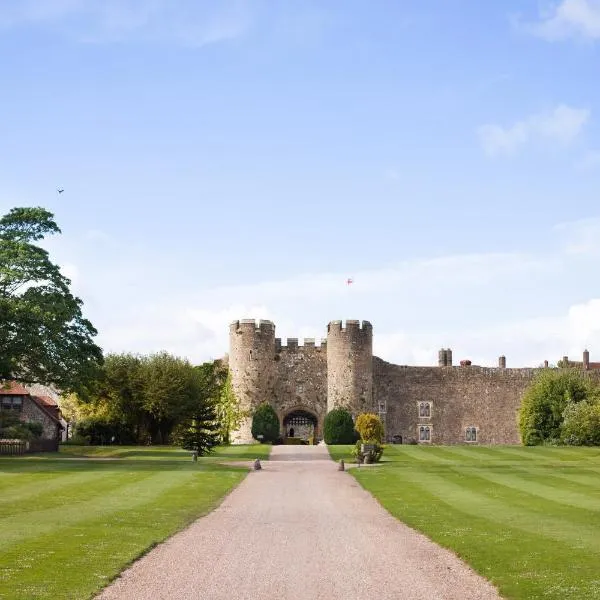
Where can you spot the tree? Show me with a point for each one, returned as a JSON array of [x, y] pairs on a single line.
[[369, 427], [265, 423], [338, 427], [540, 416], [44, 337], [200, 432]]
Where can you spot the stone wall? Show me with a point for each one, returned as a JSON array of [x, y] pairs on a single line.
[[460, 397], [301, 380], [32, 412], [350, 366]]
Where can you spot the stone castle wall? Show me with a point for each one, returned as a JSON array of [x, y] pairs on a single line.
[[301, 379], [343, 372], [485, 398]]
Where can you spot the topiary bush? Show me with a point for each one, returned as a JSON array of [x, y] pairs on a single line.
[[265, 423], [338, 427], [370, 428]]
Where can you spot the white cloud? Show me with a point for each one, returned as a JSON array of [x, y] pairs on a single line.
[[568, 19], [99, 21], [561, 126]]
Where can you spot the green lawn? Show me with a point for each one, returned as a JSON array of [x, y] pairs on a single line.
[[528, 519], [67, 527]]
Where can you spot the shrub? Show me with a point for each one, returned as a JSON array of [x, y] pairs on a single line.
[[265, 423], [338, 427], [370, 428], [541, 414], [581, 425]]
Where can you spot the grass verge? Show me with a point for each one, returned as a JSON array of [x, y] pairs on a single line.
[[68, 527], [527, 519]]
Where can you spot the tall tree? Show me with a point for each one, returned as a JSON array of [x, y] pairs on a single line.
[[44, 337], [229, 413]]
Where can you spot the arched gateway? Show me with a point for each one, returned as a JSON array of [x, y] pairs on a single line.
[[300, 424]]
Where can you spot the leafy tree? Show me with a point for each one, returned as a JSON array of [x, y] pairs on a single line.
[[229, 414], [540, 416], [44, 337], [370, 428], [581, 425], [338, 427], [265, 423]]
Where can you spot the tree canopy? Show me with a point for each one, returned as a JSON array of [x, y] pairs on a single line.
[[549, 409], [44, 337]]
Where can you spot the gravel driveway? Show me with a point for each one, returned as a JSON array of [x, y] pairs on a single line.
[[299, 529]]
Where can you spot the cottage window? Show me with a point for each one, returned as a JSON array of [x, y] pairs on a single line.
[[424, 433], [12, 402], [425, 410], [471, 434]]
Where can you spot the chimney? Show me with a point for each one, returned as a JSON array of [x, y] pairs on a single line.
[[442, 358], [586, 360], [448, 357], [502, 362], [545, 364], [565, 362]]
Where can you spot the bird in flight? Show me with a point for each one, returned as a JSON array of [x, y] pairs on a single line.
[[60, 190], [349, 281]]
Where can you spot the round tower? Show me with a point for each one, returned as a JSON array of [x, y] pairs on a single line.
[[252, 367], [350, 366]]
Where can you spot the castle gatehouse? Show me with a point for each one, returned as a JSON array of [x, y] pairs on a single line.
[[303, 381]]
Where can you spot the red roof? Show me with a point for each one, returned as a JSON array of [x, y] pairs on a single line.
[[12, 388], [47, 401]]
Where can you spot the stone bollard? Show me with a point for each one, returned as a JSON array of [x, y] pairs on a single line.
[[257, 465], [342, 466], [194, 456]]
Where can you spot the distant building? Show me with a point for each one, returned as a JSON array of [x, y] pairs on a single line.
[[41, 409], [443, 404]]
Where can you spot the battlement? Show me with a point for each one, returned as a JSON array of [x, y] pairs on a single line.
[[251, 326], [295, 344], [352, 326]]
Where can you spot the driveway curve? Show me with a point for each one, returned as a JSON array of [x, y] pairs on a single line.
[[299, 528]]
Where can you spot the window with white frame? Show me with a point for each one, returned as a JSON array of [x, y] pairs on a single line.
[[471, 434], [424, 433], [425, 410]]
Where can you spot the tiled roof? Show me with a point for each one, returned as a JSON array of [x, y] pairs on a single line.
[[11, 388], [47, 401]]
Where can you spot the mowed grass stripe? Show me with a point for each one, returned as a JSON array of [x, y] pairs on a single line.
[[472, 502], [548, 499], [71, 550], [93, 549], [522, 564], [127, 492], [51, 491]]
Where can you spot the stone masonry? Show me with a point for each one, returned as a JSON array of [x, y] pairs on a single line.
[[446, 404]]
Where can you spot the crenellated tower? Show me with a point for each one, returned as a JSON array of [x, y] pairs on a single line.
[[252, 367], [350, 366]]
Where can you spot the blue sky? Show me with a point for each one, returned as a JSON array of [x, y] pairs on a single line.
[[238, 159]]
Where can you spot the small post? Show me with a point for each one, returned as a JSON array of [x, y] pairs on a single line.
[[342, 466], [257, 465], [195, 456]]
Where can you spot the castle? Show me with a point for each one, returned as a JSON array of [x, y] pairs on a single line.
[[446, 404]]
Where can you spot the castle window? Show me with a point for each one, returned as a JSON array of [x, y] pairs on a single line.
[[471, 434], [424, 433], [425, 410]]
